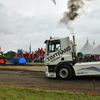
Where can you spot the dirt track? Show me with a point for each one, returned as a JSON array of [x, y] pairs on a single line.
[[34, 77]]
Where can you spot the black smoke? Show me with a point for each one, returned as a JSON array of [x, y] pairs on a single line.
[[68, 16]]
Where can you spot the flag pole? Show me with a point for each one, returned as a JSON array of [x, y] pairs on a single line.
[[54, 2]]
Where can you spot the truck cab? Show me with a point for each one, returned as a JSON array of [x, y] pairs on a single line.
[[59, 57]]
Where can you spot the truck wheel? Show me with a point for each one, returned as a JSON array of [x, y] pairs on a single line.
[[64, 72]]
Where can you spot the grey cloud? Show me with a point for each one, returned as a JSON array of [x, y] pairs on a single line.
[[6, 23]]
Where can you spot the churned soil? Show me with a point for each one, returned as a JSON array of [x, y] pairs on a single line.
[[34, 77]]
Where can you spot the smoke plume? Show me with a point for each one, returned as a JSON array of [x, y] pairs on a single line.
[[73, 6]]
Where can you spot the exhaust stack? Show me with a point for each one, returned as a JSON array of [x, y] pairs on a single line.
[[74, 47]]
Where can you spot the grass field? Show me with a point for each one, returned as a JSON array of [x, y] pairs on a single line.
[[14, 93], [35, 63], [28, 63]]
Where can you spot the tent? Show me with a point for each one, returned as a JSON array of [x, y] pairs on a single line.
[[86, 48], [95, 50]]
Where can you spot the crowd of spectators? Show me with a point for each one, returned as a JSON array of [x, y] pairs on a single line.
[[88, 58], [37, 60]]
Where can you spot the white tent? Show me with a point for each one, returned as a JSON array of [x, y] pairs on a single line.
[[95, 50], [86, 48]]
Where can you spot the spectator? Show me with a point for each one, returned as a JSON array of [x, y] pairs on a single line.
[[79, 58], [89, 58], [96, 58], [83, 59], [86, 58]]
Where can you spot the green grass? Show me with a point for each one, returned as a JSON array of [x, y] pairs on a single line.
[[9, 62], [14, 93], [35, 63]]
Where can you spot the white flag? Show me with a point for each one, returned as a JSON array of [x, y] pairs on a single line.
[[54, 1]]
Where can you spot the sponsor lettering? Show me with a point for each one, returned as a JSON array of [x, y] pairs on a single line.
[[58, 54], [82, 73], [55, 59]]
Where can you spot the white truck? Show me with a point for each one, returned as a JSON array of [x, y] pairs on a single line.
[[60, 60]]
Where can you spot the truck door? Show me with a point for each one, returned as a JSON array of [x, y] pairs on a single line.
[[52, 49], [66, 49]]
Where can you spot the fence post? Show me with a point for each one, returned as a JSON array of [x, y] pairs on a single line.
[[94, 86]]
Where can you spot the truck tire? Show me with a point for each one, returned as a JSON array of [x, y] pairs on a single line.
[[64, 72]]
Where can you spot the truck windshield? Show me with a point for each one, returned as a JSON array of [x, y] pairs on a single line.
[[54, 46]]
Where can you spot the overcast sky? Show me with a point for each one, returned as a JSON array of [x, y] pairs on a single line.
[[25, 22]]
